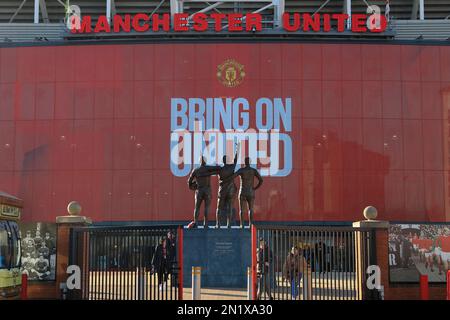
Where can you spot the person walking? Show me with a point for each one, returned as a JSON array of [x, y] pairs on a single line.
[[171, 244], [294, 268], [161, 262]]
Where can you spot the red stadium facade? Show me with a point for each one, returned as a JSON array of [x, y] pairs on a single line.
[[364, 124]]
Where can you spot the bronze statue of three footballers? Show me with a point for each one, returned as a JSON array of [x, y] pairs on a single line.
[[199, 180]]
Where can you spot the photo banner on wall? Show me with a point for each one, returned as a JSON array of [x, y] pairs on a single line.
[[419, 249], [38, 250]]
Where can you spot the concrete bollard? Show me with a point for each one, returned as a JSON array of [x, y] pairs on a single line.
[[307, 284], [196, 283], [249, 283], [424, 293]]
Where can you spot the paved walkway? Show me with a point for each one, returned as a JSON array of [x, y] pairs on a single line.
[[124, 285], [217, 294]]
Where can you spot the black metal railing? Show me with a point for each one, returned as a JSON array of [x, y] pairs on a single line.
[[127, 263], [312, 263]]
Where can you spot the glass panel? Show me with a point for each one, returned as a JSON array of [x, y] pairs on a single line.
[[16, 249], [4, 248]]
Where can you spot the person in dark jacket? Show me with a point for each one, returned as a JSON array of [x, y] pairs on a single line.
[[294, 267], [320, 256], [161, 261], [264, 259], [172, 245]]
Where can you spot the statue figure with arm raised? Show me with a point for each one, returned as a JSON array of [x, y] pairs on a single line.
[[227, 189]]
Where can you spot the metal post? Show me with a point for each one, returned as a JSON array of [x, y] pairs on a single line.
[[24, 289], [249, 283], [254, 262], [421, 9], [140, 281], [36, 11], [278, 12], [307, 284], [424, 293], [196, 283], [44, 12], [108, 10], [348, 9], [448, 285], [176, 6], [180, 262]]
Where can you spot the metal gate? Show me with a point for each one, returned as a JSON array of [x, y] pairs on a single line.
[[128, 263], [312, 263]]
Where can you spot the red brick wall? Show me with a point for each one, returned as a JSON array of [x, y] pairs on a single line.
[[412, 292], [383, 259], [41, 291], [62, 257]]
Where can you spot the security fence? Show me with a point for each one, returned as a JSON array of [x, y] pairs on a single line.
[[128, 263], [312, 263]]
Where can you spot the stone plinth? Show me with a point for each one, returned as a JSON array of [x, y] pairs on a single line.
[[223, 254], [373, 224], [73, 220]]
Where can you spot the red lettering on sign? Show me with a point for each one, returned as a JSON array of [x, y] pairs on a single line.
[[340, 19], [383, 24], [137, 26], [85, 25], [326, 23], [359, 22], [200, 22], [234, 22], [287, 23], [180, 22], [102, 25], [164, 21], [253, 22], [119, 23], [218, 17], [311, 22]]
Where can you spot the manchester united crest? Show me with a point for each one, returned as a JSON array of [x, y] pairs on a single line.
[[230, 73]]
